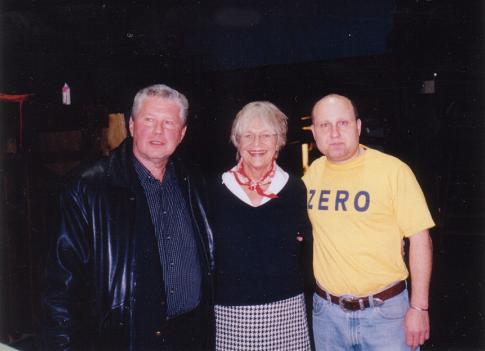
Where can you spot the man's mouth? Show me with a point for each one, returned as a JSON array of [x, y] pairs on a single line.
[[156, 142]]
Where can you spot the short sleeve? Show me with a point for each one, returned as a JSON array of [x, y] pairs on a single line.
[[411, 210]]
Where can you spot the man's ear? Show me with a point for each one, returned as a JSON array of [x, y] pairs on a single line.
[[312, 128], [182, 133], [130, 126]]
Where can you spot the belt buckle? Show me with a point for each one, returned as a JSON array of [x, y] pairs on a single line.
[[345, 299], [349, 299]]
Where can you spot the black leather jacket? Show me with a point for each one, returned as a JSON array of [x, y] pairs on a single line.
[[90, 277]]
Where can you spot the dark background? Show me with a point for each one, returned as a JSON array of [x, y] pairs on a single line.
[[223, 55]]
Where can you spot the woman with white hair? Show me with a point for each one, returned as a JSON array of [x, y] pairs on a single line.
[[260, 230]]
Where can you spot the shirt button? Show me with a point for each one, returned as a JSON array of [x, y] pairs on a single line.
[[164, 212], [169, 237], [171, 291], [158, 333], [172, 264]]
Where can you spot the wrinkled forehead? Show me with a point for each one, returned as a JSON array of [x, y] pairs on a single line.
[[157, 104]]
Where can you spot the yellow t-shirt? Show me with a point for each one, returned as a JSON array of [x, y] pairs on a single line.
[[360, 211]]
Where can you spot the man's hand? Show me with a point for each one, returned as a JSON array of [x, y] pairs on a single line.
[[416, 327]]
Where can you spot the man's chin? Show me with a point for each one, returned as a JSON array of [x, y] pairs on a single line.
[[337, 157]]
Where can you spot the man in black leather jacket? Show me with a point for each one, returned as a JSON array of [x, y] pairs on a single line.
[[131, 264]]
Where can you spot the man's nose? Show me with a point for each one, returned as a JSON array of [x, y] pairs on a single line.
[[159, 127], [335, 131]]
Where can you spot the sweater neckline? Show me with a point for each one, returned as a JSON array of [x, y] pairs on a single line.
[[278, 182]]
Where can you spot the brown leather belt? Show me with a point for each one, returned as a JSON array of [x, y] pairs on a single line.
[[350, 303]]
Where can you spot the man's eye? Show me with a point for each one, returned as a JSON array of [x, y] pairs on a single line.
[[170, 124]]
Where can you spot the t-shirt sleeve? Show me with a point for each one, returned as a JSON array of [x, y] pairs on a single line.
[[410, 206], [310, 172]]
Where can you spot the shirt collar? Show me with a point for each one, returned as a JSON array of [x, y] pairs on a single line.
[[145, 176]]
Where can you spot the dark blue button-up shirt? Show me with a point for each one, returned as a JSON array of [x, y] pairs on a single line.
[[175, 237]]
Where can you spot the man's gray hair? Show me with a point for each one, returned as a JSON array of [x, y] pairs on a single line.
[[164, 92]]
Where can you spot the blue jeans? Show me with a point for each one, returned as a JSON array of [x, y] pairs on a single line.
[[375, 328]]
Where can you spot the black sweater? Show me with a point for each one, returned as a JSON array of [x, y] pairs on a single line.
[[258, 257]]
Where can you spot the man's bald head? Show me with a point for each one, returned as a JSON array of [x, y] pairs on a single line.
[[334, 98], [336, 128]]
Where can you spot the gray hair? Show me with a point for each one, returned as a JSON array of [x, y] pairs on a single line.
[[164, 92], [268, 112]]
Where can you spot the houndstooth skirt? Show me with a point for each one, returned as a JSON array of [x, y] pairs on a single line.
[[278, 326]]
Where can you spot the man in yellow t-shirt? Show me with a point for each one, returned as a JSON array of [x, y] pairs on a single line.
[[362, 203]]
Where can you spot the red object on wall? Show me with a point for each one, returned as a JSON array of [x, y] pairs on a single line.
[[14, 98], [19, 98]]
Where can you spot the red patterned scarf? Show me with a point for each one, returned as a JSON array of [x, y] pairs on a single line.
[[244, 180]]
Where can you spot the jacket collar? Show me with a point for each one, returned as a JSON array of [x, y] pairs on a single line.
[[121, 171]]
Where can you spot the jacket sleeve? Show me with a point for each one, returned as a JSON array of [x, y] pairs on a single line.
[[64, 294], [199, 200]]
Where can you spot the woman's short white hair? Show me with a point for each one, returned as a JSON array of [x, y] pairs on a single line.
[[268, 113], [164, 92]]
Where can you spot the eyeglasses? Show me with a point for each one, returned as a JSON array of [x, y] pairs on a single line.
[[264, 138]]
